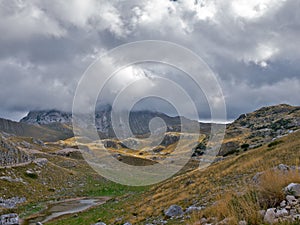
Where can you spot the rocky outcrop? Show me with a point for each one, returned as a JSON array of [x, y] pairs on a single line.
[[10, 154], [47, 117], [262, 126], [9, 219], [11, 202]]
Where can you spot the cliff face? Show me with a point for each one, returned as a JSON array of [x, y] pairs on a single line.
[[10, 153]]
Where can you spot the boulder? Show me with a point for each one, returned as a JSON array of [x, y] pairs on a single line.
[[100, 223], [283, 204], [270, 216], [192, 209], [283, 167], [291, 200], [281, 213], [293, 189], [174, 210]]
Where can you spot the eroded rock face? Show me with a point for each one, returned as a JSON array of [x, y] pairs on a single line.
[[10, 154]]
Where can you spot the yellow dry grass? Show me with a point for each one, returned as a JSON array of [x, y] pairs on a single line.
[[229, 180]]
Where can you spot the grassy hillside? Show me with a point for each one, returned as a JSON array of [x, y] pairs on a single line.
[[198, 187]]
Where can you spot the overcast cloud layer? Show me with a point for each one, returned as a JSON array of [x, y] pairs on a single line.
[[45, 46]]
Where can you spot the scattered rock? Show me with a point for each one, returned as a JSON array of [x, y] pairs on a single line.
[[174, 210], [100, 223], [127, 223]]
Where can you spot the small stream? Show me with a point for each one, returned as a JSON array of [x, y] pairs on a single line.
[[71, 206]]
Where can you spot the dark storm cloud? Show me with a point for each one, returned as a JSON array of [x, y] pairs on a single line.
[[252, 46]]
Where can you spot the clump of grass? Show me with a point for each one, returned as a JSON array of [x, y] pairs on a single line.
[[236, 207], [271, 186], [31, 175]]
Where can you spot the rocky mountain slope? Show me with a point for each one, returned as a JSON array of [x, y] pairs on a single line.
[[253, 129], [10, 153], [55, 169], [247, 188], [46, 132], [47, 117]]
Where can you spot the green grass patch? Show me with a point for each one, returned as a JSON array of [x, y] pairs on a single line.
[[109, 188]]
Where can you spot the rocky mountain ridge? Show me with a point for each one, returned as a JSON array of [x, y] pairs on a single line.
[[138, 120]]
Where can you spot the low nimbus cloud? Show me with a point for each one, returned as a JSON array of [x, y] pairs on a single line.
[[252, 46]]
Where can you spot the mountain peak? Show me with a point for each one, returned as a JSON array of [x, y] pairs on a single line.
[[46, 117]]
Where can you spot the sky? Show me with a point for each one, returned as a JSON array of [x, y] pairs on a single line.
[[252, 47]]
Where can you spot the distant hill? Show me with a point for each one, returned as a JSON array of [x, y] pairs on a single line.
[[248, 131], [48, 132]]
